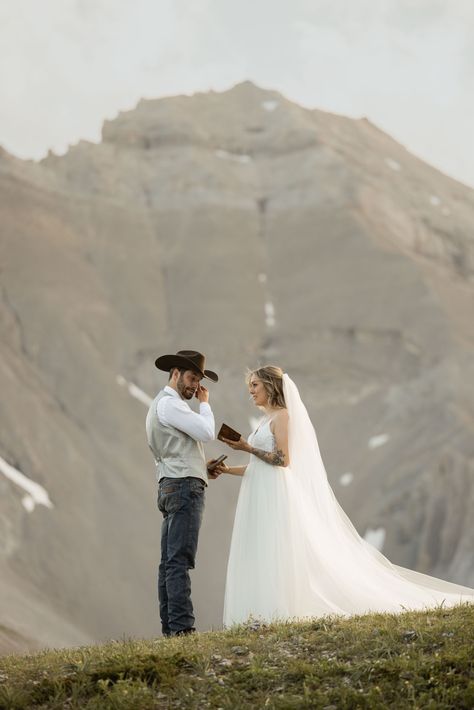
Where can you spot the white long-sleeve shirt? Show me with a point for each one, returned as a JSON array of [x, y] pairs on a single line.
[[176, 412]]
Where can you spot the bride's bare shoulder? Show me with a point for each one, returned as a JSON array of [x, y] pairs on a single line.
[[281, 416], [279, 424]]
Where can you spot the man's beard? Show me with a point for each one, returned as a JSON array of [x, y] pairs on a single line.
[[185, 391]]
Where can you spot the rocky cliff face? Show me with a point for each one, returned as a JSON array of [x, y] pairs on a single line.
[[257, 231]]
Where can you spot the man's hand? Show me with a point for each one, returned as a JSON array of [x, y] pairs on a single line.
[[214, 473], [202, 393]]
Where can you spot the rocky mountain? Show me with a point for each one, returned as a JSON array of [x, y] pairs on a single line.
[[255, 230]]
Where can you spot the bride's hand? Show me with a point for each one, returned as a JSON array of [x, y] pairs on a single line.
[[240, 445], [221, 468]]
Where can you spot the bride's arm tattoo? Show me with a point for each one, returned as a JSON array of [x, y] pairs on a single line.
[[274, 458]]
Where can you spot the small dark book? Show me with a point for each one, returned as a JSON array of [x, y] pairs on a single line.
[[226, 432]]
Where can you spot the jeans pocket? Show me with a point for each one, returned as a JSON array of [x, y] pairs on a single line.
[[167, 488], [169, 498], [197, 486]]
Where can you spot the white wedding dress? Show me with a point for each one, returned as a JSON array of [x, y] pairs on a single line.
[[295, 554]]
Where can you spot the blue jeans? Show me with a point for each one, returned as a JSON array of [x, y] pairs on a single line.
[[181, 501]]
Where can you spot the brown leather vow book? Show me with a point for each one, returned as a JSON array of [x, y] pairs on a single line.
[[226, 432]]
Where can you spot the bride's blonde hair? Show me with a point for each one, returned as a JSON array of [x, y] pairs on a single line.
[[271, 377]]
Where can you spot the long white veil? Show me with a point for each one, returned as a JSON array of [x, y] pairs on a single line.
[[334, 569]]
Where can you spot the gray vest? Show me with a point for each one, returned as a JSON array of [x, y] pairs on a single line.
[[176, 454]]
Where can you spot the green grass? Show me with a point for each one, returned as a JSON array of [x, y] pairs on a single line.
[[410, 660]]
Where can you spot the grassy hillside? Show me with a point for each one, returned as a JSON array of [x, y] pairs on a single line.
[[412, 660]]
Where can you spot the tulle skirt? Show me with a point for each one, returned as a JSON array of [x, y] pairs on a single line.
[[288, 562], [259, 573]]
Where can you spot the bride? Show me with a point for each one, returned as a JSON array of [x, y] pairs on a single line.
[[294, 552]]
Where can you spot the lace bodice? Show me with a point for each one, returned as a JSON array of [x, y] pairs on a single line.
[[263, 438]]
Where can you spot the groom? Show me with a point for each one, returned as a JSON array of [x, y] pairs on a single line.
[[175, 435]]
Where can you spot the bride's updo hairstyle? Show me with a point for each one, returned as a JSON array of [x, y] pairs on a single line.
[[271, 377]]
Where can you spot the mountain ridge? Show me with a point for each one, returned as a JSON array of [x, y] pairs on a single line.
[[349, 263]]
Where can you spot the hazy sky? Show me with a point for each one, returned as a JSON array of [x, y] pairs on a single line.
[[408, 65]]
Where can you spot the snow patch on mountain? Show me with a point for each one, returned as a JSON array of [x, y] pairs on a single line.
[[135, 391], [36, 494]]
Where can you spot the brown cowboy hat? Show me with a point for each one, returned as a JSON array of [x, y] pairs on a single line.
[[187, 359]]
